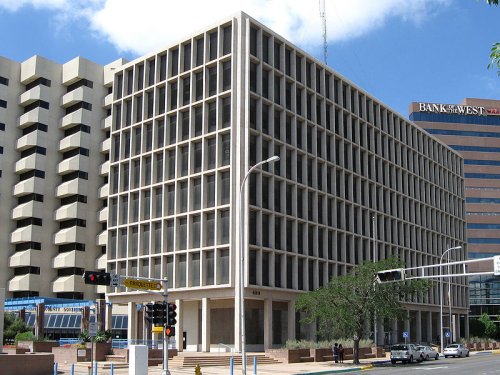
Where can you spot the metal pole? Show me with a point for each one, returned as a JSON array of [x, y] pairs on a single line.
[[375, 339], [242, 263], [441, 295], [449, 302], [165, 338]]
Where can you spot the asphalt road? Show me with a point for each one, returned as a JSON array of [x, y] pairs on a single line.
[[484, 364]]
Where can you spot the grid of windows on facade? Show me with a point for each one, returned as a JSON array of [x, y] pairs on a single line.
[[484, 294], [170, 191], [348, 165]]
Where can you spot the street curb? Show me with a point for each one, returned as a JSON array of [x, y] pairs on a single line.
[[338, 371]]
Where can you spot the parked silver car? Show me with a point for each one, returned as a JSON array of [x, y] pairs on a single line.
[[428, 352], [456, 350], [406, 353]]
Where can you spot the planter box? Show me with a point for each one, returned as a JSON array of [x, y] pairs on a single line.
[[71, 354], [101, 349], [27, 364], [290, 355], [38, 346]]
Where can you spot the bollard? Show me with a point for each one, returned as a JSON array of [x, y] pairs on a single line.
[[231, 365], [95, 368], [112, 369], [89, 368], [254, 365], [55, 368], [72, 369], [197, 369]]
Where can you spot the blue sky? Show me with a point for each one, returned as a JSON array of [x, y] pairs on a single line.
[[397, 50]]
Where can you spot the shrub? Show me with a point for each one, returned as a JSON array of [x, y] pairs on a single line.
[[24, 336], [307, 344]]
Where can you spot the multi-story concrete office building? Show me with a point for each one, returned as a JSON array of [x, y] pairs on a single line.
[[470, 129], [188, 123], [54, 146]]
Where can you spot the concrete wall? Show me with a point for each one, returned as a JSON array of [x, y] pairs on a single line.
[[27, 364]]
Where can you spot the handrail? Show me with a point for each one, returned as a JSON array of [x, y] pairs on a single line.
[[231, 349]]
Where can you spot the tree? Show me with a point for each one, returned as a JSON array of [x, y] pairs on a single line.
[[12, 326], [349, 303], [495, 49], [490, 328]]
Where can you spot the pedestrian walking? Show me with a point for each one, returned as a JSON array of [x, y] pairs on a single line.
[[335, 350], [341, 353]]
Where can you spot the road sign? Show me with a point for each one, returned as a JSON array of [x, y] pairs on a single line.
[[496, 265], [92, 329], [115, 279], [157, 329], [447, 334], [405, 334], [142, 284]]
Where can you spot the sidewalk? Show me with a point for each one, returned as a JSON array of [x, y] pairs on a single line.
[[309, 368]]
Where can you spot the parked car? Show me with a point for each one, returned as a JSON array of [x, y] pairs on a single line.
[[428, 352], [406, 353], [456, 350]]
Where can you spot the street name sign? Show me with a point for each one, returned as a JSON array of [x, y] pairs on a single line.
[[142, 284], [92, 329]]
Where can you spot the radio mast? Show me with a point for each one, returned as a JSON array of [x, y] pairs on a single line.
[[322, 15]]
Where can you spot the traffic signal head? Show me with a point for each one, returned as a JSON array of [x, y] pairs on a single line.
[[388, 276], [172, 314], [169, 331], [155, 313], [149, 312], [97, 278]]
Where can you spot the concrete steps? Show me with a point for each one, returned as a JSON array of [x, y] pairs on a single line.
[[211, 359]]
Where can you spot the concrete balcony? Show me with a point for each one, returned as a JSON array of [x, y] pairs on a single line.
[[103, 191], [102, 215], [27, 209], [35, 115], [101, 262], [106, 123], [102, 238], [71, 283], [39, 92], [76, 210], [26, 234], [36, 138], [75, 163], [81, 94], [70, 235], [108, 100], [72, 141], [70, 259], [73, 187], [104, 169], [80, 116], [33, 161], [105, 146], [31, 185], [25, 258], [24, 282]]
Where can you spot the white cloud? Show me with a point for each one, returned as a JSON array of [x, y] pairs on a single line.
[[140, 27]]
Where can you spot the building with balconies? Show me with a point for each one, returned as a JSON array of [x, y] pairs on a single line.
[[52, 149]]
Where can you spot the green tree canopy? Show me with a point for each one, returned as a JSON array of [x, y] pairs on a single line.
[[12, 326], [349, 303], [495, 49]]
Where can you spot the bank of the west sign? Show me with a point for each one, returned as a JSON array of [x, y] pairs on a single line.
[[453, 108]]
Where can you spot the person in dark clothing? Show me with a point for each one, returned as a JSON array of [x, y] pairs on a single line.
[[341, 353], [335, 350]]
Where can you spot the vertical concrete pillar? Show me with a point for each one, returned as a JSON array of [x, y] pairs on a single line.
[[429, 327], [457, 327], [418, 322], [101, 314], [40, 320], [396, 335], [2, 307], [268, 323], [180, 325], [109, 316], [132, 321], [205, 325], [406, 326], [466, 326], [291, 320]]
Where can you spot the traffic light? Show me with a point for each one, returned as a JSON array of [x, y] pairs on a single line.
[[156, 313], [97, 278], [169, 331], [388, 276], [172, 314]]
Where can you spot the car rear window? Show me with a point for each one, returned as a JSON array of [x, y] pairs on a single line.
[[399, 347], [452, 346]]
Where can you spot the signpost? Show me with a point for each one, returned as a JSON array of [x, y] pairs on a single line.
[[406, 335], [142, 284], [115, 279]]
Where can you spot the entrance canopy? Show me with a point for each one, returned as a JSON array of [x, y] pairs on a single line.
[[32, 302]]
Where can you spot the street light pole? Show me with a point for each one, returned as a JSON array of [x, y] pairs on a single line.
[[242, 263], [375, 333], [441, 295]]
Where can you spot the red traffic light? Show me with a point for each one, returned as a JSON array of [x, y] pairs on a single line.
[[97, 278], [169, 331]]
